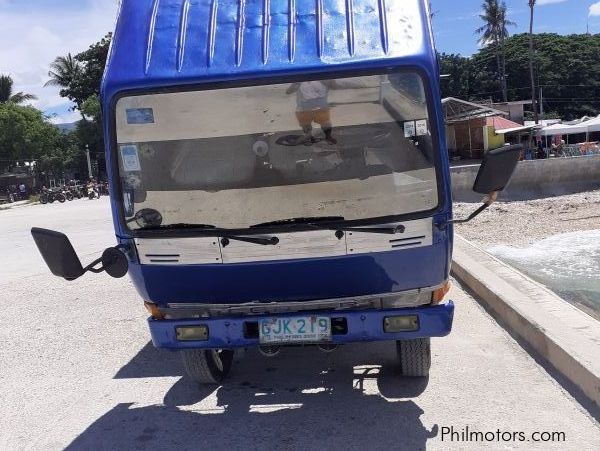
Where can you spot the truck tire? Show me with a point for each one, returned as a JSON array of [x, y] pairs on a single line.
[[207, 366], [414, 357]]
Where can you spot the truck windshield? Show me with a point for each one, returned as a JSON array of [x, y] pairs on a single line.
[[357, 148]]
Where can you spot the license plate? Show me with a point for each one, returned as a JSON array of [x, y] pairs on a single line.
[[301, 329]]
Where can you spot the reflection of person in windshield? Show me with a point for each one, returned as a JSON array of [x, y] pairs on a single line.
[[312, 105]]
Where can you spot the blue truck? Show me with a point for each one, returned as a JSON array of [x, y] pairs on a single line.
[[279, 177]]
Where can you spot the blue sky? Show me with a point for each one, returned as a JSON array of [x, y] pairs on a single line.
[[455, 20], [34, 32]]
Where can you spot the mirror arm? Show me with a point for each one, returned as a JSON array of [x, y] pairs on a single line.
[[489, 200], [91, 266]]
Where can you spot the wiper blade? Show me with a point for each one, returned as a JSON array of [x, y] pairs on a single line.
[[293, 221], [180, 225], [331, 223], [225, 234], [392, 230]]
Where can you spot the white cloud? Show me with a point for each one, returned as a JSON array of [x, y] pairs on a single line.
[[595, 9], [30, 39]]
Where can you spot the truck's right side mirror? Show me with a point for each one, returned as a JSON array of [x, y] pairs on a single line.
[[496, 169]]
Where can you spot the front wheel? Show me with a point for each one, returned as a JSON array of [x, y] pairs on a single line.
[[61, 198], [43, 199], [414, 357], [207, 366]]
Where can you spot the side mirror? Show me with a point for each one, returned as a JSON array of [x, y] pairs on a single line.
[[61, 258], [494, 174], [58, 253], [146, 217], [496, 169]]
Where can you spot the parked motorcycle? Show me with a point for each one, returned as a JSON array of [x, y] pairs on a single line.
[[49, 197], [68, 194]]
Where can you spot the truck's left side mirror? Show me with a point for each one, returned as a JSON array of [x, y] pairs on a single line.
[[61, 258], [496, 169], [494, 174], [58, 253]]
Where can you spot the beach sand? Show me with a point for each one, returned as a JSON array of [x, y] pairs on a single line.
[[522, 223]]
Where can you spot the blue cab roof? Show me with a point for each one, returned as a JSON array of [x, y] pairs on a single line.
[[163, 43]]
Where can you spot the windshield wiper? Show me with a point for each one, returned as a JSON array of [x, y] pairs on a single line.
[[211, 230], [292, 221], [331, 223], [180, 225], [391, 230]]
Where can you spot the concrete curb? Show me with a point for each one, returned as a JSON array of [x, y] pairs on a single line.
[[18, 204], [566, 337]]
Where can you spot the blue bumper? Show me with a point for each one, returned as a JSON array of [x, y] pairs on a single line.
[[235, 332]]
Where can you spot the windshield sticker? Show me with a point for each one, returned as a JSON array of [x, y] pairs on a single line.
[[130, 158], [422, 127], [140, 116], [409, 129]]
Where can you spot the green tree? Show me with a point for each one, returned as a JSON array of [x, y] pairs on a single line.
[[80, 76], [7, 94], [494, 32], [25, 135], [459, 71], [567, 66], [65, 156], [65, 71]]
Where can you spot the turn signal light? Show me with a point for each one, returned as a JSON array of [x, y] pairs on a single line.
[[192, 333], [153, 310], [440, 293]]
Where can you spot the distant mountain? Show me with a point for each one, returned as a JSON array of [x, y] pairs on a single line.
[[66, 128]]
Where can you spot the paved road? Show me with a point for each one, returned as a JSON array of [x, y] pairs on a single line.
[[77, 371]]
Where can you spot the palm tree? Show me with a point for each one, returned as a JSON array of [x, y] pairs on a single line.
[[494, 31], [63, 70], [531, 56], [6, 92]]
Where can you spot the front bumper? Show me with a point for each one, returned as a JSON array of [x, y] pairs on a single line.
[[366, 325]]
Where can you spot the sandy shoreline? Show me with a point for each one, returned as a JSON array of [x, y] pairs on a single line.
[[521, 223]]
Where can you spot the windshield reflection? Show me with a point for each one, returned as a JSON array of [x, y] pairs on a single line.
[[356, 147]]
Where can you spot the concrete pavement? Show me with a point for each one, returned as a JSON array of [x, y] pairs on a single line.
[[77, 371]]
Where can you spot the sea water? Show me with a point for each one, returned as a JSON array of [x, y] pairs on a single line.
[[568, 264]]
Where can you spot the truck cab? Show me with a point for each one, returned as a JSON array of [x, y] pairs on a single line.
[[278, 177]]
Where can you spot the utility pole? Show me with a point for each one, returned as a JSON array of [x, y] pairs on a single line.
[[89, 161], [533, 93], [541, 102]]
